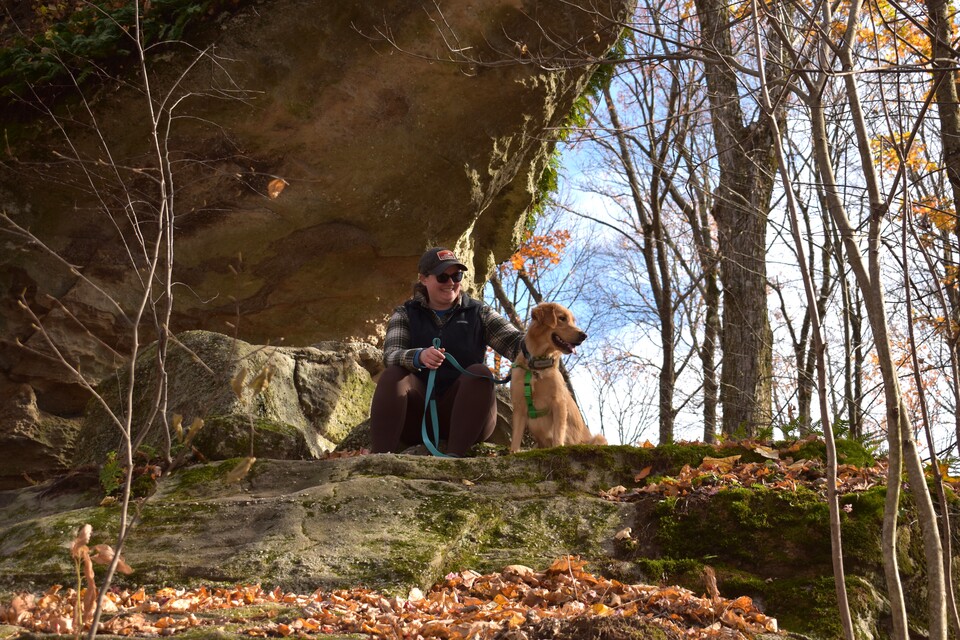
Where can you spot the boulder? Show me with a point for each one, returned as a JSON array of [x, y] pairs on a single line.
[[312, 398], [36, 445]]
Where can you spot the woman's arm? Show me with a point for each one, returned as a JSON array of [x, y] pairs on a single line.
[[396, 344], [502, 336]]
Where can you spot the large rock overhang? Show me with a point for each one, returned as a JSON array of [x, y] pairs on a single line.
[[394, 126]]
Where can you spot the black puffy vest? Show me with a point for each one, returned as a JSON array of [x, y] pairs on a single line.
[[462, 336]]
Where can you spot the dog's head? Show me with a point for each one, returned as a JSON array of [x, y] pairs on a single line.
[[553, 328]]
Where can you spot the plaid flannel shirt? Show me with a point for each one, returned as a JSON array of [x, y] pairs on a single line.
[[502, 336]]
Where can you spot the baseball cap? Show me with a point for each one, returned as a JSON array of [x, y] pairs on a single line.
[[438, 260]]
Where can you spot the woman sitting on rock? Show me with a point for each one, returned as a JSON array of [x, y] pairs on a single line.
[[466, 404]]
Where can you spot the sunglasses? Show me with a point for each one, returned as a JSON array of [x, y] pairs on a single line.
[[443, 277]]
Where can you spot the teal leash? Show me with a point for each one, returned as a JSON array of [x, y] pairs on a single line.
[[431, 404]]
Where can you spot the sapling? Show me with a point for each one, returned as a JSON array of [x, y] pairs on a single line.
[[83, 561]]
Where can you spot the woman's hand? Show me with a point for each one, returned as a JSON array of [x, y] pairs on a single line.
[[432, 358]]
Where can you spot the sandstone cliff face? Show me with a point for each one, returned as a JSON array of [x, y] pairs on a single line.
[[393, 125]]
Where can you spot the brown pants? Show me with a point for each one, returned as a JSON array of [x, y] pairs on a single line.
[[467, 411]]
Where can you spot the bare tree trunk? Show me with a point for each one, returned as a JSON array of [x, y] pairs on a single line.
[[878, 320], [852, 349], [699, 222], [944, 520], [742, 202], [708, 352], [697, 215]]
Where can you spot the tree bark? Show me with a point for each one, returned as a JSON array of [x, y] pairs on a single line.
[[741, 205]]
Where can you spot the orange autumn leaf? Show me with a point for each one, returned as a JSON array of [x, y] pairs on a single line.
[[276, 187], [566, 564], [720, 464]]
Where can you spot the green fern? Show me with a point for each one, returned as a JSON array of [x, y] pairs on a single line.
[[95, 36]]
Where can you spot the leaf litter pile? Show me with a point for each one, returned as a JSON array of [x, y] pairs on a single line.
[[467, 605], [519, 603], [782, 474]]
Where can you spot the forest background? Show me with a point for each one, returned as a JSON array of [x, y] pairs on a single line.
[[695, 194]]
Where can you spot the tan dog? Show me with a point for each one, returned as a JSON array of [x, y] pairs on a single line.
[[554, 418]]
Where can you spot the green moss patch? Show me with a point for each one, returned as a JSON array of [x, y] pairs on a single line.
[[783, 533]]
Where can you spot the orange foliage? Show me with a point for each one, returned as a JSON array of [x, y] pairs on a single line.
[[537, 252], [886, 150], [939, 211], [894, 36]]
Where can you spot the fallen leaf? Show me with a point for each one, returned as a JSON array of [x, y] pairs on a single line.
[[103, 554], [567, 564], [61, 624], [81, 541], [262, 380], [767, 452], [710, 579], [723, 465], [520, 570], [613, 492], [415, 595], [195, 426], [276, 187]]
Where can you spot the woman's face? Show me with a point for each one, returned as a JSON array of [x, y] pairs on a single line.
[[442, 295]]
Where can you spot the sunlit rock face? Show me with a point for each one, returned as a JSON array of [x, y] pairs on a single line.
[[316, 151]]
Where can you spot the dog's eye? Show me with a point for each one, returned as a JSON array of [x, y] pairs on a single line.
[[562, 318]]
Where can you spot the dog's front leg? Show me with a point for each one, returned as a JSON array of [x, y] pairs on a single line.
[[519, 426], [519, 421], [560, 434]]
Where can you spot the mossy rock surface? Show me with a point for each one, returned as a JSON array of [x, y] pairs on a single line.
[[390, 522]]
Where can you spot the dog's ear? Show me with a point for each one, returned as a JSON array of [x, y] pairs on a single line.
[[545, 314]]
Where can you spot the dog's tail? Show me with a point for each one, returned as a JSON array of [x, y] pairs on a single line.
[[597, 439]]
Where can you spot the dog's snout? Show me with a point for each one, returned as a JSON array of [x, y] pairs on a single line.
[[582, 336]]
